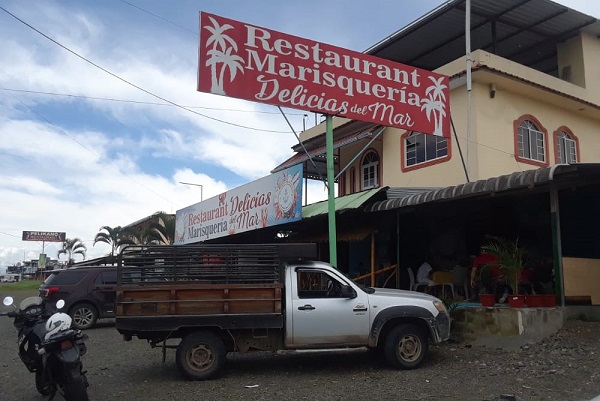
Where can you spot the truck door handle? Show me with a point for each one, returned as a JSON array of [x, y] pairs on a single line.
[[357, 309], [306, 307]]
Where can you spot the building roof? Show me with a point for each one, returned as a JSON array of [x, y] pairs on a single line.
[[538, 179], [524, 31], [342, 203], [316, 160]]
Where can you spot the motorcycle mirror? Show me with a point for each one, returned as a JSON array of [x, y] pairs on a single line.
[[8, 301], [60, 304]]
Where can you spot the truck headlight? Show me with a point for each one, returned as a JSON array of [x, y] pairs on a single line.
[[439, 305]]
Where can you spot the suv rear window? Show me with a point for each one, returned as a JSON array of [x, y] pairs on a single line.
[[65, 278], [108, 277]]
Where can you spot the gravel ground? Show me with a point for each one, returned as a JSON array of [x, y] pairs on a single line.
[[565, 367]]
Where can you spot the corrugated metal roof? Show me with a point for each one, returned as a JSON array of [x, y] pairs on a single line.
[[352, 201], [524, 31], [520, 180]]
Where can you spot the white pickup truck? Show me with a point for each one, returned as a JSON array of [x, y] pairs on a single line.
[[214, 299]]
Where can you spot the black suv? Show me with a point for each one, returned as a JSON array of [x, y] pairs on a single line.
[[89, 293]]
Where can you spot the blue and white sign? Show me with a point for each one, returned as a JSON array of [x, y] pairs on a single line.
[[269, 201]]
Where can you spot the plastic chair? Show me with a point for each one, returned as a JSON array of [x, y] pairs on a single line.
[[414, 286], [461, 279]]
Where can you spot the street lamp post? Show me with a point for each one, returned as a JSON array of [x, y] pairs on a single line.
[[196, 185]]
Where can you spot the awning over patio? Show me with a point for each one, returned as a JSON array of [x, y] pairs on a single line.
[[538, 179]]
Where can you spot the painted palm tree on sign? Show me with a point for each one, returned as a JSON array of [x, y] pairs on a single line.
[[221, 53], [115, 237], [435, 104], [71, 247]]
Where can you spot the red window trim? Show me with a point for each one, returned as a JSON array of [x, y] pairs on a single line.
[[352, 179], [543, 130], [362, 158], [555, 135], [342, 184], [404, 168]]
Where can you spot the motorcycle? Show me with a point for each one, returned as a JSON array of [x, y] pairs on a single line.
[[49, 347]]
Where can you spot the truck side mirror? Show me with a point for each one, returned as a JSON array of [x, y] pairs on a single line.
[[347, 292]]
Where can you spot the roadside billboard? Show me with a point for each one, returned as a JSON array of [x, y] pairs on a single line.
[[46, 236], [249, 62], [268, 201]]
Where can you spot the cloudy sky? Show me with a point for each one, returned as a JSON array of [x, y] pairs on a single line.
[[86, 136]]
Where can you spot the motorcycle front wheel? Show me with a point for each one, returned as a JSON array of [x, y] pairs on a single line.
[[43, 387], [76, 390]]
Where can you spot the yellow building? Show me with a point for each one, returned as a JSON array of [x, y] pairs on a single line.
[[534, 99]]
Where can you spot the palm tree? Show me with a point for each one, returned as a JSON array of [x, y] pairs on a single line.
[[116, 237], [162, 230], [71, 247]]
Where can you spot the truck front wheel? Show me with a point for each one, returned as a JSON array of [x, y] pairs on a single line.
[[406, 346], [200, 356]]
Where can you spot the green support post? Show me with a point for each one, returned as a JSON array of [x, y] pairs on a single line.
[[330, 187]]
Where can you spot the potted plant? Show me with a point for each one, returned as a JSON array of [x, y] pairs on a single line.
[[486, 297], [511, 260], [548, 295]]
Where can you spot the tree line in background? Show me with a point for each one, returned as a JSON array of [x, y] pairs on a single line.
[[160, 231]]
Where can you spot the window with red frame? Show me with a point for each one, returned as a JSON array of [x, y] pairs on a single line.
[[566, 148], [352, 180], [531, 142], [422, 148]]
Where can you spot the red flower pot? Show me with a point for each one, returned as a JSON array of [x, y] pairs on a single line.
[[516, 301], [548, 300], [487, 299], [534, 301]]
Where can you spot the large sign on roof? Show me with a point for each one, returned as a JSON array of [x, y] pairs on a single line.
[[47, 236], [268, 201], [254, 63]]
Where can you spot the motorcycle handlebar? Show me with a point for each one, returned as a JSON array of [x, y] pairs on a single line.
[[9, 314]]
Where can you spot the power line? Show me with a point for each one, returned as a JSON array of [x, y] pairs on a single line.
[[131, 83], [161, 18], [141, 102]]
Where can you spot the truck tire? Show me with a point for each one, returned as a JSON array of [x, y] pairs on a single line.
[[201, 356], [406, 346], [84, 316]]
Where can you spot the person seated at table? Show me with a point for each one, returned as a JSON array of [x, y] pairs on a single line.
[[424, 275]]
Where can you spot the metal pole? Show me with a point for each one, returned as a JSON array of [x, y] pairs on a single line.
[[330, 187], [197, 185], [469, 79], [559, 279]]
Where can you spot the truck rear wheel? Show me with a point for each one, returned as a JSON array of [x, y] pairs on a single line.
[[201, 356], [406, 346]]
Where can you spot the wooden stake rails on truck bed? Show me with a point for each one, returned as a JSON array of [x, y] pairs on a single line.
[[207, 300]]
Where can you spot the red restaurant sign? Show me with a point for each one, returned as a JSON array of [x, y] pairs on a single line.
[[249, 62]]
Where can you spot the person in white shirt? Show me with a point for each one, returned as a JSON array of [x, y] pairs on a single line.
[[423, 275]]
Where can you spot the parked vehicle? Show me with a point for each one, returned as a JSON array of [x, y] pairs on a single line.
[[88, 292], [214, 299], [49, 347]]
